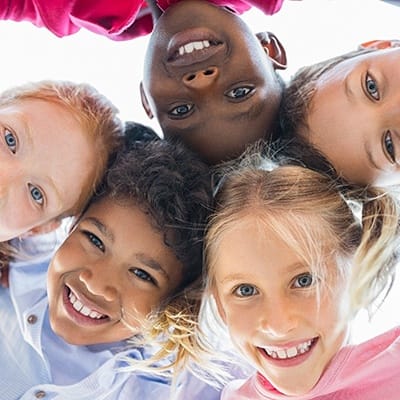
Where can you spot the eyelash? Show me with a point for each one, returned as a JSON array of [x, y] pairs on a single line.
[[249, 90], [9, 134], [173, 113], [143, 275], [34, 192], [304, 275], [236, 290], [368, 80], [94, 240]]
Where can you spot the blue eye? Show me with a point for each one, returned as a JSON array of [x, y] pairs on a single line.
[[143, 275], [93, 239], [304, 281], [181, 111], [389, 146], [372, 87], [36, 194], [10, 140], [240, 92], [245, 290]]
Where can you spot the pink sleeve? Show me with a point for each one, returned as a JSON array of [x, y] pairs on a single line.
[[268, 7], [116, 19]]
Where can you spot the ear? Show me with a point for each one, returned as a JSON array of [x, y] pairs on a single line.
[[380, 44], [45, 228], [145, 102], [274, 49]]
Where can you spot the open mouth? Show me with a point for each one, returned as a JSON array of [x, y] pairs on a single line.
[[280, 353], [80, 311], [194, 45]]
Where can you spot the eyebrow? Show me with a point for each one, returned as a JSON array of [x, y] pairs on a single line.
[[101, 227], [240, 276], [151, 263], [249, 113]]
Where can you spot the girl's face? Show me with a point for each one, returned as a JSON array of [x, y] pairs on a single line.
[[355, 119], [45, 161], [108, 275], [267, 296]]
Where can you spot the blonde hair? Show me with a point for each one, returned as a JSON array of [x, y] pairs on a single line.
[[289, 199]]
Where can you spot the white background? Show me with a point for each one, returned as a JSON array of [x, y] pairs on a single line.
[[311, 30]]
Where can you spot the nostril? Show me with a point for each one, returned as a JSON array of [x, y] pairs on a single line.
[[190, 77], [209, 72]]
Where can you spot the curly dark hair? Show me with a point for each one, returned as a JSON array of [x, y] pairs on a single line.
[[170, 184]]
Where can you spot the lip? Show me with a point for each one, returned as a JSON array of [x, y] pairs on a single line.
[[289, 362], [197, 56], [76, 316]]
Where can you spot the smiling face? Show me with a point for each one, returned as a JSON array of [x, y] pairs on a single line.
[[267, 296], [355, 120], [108, 275], [45, 162], [209, 81]]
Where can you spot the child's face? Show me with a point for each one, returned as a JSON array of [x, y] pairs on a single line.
[[267, 297], [355, 118], [217, 98], [108, 275], [45, 162]]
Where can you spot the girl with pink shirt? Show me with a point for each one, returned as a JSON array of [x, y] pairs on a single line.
[[291, 256]]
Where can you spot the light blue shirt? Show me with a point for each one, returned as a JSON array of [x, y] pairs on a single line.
[[42, 365]]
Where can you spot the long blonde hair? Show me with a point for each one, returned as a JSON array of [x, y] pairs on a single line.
[[289, 198]]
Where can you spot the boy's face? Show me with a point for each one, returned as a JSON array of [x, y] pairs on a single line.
[[108, 275], [355, 117], [45, 160], [208, 80], [267, 296]]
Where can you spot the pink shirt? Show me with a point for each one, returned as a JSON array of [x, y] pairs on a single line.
[[368, 371], [116, 19]]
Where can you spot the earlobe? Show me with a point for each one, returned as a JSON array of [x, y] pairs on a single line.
[[274, 49], [145, 102]]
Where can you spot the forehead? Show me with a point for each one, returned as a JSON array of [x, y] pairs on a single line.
[[285, 236], [381, 57]]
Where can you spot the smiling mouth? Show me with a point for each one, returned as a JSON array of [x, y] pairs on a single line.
[[279, 353], [194, 51], [82, 309]]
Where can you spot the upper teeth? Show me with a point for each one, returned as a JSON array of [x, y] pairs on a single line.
[[290, 352], [83, 309], [190, 47]]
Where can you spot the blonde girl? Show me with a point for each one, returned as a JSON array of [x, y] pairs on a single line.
[[291, 256]]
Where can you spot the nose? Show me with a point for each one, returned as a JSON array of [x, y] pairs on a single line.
[[201, 79], [10, 177], [99, 283], [278, 318]]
